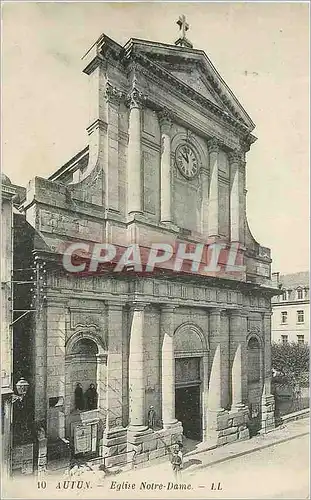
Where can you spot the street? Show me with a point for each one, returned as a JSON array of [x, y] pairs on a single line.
[[279, 470]]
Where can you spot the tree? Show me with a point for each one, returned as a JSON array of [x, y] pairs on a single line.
[[291, 362]]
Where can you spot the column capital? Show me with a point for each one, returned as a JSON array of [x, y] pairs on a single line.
[[138, 306], [135, 98], [113, 94], [167, 308], [165, 120], [216, 311], [213, 145], [235, 156]]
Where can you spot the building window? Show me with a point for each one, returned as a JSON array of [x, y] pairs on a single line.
[[300, 317], [283, 297], [299, 294], [301, 339], [284, 317], [284, 339]]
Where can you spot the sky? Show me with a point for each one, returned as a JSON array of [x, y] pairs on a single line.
[[260, 49]]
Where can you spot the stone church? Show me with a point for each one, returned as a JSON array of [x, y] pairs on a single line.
[[169, 354]]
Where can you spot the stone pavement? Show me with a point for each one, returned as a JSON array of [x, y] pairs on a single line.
[[202, 457]]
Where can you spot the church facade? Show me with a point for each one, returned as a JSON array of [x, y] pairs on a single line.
[[169, 354]]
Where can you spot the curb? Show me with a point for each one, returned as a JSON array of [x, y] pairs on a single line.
[[245, 452]]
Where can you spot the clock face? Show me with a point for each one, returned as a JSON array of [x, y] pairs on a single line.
[[186, 160]]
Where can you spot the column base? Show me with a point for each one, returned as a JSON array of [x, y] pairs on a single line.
[[135, 433], [114, 447], [238, 406], [151, 445], [227, 426], [170, 424]]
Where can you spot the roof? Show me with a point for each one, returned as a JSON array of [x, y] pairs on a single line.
[[5, 180], [295, 280]]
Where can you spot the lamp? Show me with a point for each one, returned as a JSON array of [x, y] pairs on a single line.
[[22, 388]]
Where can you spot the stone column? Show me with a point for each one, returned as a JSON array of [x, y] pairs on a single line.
[[213, 206], [238, 358], [235, 198], [219, 336], [136, 370], [216, 415], [134, 173], [238, 362], [267, 401], [55, 365], [237, 378], [214, 396], [166, 195], [114, 97], [168, 366]]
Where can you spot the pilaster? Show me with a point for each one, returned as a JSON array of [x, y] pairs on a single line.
[[267, 400], [136, 370], [55, 372], [213, 205], [236, 201], [113, 99], [165, 121]]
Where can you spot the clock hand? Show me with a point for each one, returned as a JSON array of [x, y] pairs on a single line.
[[185, 157]]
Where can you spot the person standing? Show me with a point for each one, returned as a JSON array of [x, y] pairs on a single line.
[[151, 417], [91, 398], [79, 399], [176, 461]]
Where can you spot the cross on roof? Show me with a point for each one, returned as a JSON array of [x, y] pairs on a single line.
[[183, 27]]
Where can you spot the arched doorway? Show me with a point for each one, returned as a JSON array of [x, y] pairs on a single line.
[[190, 349], [254, 383]]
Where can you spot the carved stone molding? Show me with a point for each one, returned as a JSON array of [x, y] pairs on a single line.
[[213, 145], [233, 118], [113, 94], [235, 157], [135, 98], [165, 120]]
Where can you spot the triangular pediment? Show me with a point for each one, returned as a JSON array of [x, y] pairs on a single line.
[[193, 68], [194, 78]]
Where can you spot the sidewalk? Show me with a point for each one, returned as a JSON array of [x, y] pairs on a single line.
[[202, 458]]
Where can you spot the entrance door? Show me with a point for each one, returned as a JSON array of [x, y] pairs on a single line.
[[187, 411]]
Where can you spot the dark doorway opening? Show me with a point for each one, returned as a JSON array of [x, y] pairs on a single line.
[[188, 410]]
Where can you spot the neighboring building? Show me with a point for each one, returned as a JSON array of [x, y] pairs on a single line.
[[165, 163], [8, 191], [291, 310]]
